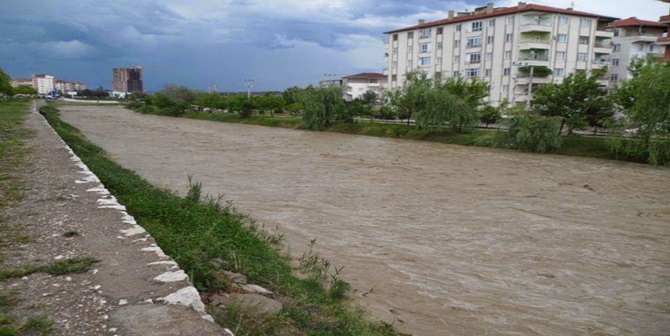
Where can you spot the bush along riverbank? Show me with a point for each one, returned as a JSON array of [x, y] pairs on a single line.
[[225, 252], [574, 145]]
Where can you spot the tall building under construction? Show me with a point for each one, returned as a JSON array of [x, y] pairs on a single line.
[[128, 80]]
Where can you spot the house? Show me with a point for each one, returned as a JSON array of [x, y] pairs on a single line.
[[633, 38], [500, 45], [355, 86]]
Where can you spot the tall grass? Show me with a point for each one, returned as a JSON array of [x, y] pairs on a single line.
[[200, 234]]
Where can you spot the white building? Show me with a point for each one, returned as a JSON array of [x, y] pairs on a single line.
[[355, 86], [494, 43], [44, 84], [16, 82], [68, 86], [633, 38]]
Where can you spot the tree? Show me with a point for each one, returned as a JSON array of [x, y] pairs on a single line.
[[270, 102], [180, 94], [646, 103], [490, 115], [212, 100], [531, 133], [578, 100], [472, 91], [370, 98], [237, 102], [25, 89], [442, 107], [323, 106], [5, 83], [412, 96]]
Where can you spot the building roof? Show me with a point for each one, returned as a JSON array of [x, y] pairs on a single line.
[[366, 75], [635, 22], [522, 8]]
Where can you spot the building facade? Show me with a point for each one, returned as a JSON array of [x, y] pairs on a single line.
[[664, 40], [633, 38], [68, 86], [128, 80], [355, 86], [44, 84], [500, 45]]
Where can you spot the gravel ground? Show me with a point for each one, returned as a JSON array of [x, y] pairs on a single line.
[[67, 213]]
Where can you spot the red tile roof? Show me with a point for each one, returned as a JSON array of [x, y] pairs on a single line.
[[635, 22], [367, 75], [504, 11]]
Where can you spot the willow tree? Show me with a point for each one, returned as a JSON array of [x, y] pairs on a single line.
[[412, 97], [322, 107]]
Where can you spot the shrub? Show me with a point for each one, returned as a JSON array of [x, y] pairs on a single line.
[[532, 133]]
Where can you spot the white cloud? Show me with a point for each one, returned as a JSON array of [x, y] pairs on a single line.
[[66, 49]]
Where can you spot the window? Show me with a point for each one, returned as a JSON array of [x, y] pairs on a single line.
[[507, 55], [425, 47], [458, 27], [507, 71], [410, 35], [617, 47], [410, 63], [439, 31], [395, 37], [489, 39], [509, 38], [424, 61], [615, 62], [582, 57], [614, 77], [469, 73], [457, 59], [410, 49], [456, 74], [487, 73], [438, 60], [562, 38], [438, 75], [583, 40], [560, 55], [457, 43], [492, 22], [439, 45], [489, 56], [477, 26], [474, 42], [559, 72], [504, 88], [425, 32], [617, 32], [585, 23], [395, 51], [395, 64], [394, 78], [509, 20], [475, 58], [563, 20]]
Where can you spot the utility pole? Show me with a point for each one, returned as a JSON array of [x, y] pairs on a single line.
[[530, 87], [250, 85]]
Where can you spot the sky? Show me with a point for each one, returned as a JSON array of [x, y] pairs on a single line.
[[218, 44]]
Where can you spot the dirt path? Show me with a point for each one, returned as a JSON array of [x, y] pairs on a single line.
[[449, 240]]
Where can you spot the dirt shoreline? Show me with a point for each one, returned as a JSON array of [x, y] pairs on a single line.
[[446, 240]]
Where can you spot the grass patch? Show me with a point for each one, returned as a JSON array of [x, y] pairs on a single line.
[[198, 232], [40, 325], [13, 113], [60, 267]]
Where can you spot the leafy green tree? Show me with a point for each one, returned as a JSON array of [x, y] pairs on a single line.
[[270, 102], [323, 106], [25, 89], [646, 106], [412, 97], [211, 99], [490, 115], [531, 133], [180, 94], [471, 91], [236, 103], [578, 101], [5, 83], [442, 107]]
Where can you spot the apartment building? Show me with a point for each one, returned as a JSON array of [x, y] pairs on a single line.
[[355, 86], [44, 84], [127, 80], [633, 38], [665, 39], [501, 45], [69, 86]]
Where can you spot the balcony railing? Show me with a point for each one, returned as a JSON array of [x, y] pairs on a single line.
[[534, 40], [600, 61], [533, 58]]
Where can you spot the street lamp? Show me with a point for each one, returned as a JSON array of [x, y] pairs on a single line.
[[530, 81]]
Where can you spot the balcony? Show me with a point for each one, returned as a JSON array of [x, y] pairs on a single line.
[[665, 19], [522, 79], [535, 27], [604, 34], [603, 47], [663, 40]]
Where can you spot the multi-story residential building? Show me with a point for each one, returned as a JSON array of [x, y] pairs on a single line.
[[500, 45], [44, 84], [665, 39], [633, 38], [68, 86], [356, 85], [128, 80], [16, 82]]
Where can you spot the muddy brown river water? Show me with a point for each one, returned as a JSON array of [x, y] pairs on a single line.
[[451, 240]]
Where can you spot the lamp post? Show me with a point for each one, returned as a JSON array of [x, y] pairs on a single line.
[[530, 81]]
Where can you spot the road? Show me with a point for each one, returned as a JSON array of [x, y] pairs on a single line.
[[444, 240]]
